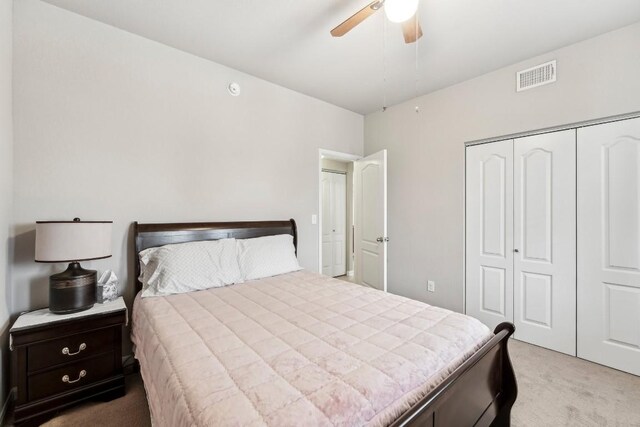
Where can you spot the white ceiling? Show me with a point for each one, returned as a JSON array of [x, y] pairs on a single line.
[[288, 43]]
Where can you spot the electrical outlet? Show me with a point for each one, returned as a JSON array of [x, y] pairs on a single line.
[[431, 286]]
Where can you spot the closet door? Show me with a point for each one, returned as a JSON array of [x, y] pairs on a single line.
[[339, 224], [327, 234], [334, 219], [609, 244], [489, 231], [545, 240]]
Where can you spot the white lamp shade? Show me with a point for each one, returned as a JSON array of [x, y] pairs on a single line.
[[400, 10], [68, 241]]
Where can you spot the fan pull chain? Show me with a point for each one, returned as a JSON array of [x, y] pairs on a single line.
[[384, 65], [417, 80], [417, 72]]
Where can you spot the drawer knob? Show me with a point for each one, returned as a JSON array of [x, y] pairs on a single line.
[[66, 351], [66, 379]]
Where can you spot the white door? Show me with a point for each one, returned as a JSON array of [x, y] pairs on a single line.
[[609, 244], [339, 223], [334, 233], [489, 231], [370, 220], [327, 243], [544, 239]]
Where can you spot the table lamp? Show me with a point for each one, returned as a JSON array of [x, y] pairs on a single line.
[[74, 289]]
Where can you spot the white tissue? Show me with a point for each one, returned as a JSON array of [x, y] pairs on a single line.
[[109, 284]]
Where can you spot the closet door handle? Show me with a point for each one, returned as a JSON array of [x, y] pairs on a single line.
[[516, 250]]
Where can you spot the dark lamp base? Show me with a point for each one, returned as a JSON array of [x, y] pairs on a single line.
[[72, 290]]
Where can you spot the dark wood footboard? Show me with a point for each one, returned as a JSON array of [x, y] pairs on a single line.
[[479, 393]]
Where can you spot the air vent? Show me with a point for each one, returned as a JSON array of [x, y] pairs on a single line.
[[536, 76]]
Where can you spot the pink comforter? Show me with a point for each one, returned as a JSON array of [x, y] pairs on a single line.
[[298, 349]]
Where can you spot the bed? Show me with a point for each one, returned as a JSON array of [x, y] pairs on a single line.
[[304, 349]]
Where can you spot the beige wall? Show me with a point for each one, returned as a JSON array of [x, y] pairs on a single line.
[[596, 78], [109, 125], [347, 168], [6, 184]]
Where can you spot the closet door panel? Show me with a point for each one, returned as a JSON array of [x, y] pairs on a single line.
[[489, 232], [544, 240], [339, 222], [609, 244], [327, 235]]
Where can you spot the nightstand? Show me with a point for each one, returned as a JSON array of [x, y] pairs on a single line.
[[59, 360]]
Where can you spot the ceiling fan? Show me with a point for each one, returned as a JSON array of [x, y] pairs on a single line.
[[399, 11]]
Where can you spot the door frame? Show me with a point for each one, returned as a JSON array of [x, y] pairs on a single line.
[[333, 155]]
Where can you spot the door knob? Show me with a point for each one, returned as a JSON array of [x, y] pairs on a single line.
[[516, 250]]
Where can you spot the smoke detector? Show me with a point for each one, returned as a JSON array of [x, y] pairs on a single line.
[[234, 89]]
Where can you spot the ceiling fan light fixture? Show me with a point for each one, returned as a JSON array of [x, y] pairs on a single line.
[[400, 10]]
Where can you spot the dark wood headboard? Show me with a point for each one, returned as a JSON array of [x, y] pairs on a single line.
[[154, 235]]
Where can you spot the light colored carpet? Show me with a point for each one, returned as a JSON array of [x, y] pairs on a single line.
[[559, 390], [345, 278], [554, 390], [131, 410]]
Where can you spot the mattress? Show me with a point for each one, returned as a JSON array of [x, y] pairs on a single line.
[[292, 350]]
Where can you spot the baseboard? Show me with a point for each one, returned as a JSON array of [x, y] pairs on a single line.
[[351, 273]]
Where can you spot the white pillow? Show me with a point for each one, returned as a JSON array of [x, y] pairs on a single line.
[[186, 267], [267, 256]]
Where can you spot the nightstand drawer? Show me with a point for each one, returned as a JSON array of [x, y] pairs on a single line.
[[69, 349], [71, 376]]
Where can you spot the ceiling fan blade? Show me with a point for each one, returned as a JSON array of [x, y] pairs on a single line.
[[411, 29], [356, 18]]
